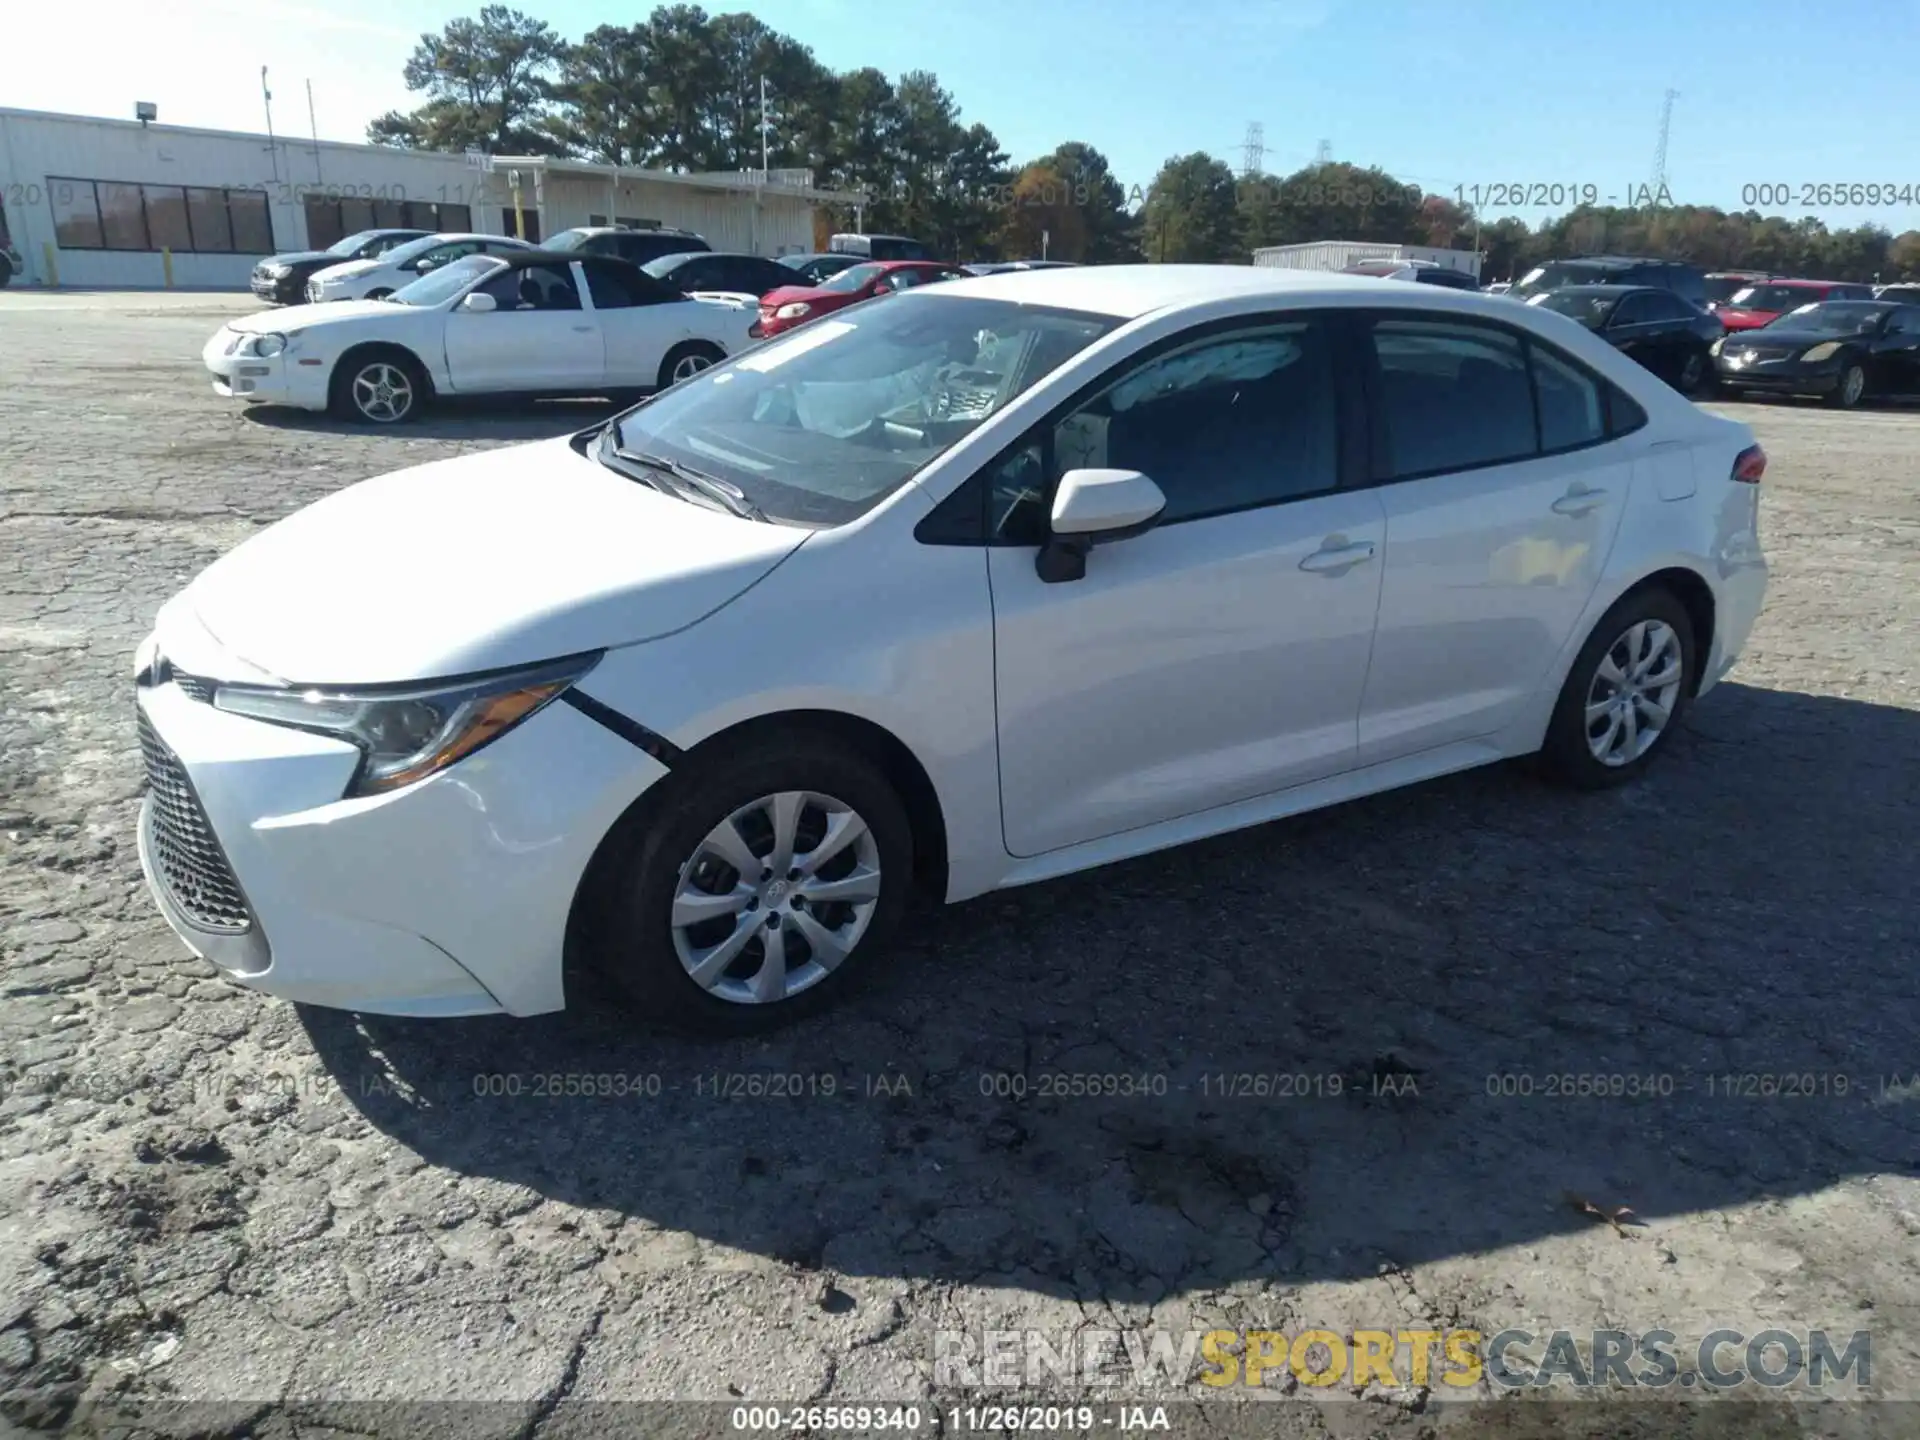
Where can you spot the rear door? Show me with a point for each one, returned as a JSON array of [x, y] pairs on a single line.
[[542, 335], [1499, 519], [1635, 331], [640, 318]]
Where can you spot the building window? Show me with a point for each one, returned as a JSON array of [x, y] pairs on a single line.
[[111, 215], [529, 217], [331, 220]]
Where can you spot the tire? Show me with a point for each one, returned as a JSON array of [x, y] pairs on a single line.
[[669, 858], [686, 360], [1852, 387], [1571, 752], [359, 372], [377, 294], [6, 271]]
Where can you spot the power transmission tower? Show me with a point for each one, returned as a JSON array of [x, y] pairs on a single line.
[[1660, 151], [1253, 152], [1324, 155]]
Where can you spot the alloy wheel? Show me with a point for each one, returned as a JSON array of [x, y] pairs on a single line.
[[1633, 692], [1691, 373], [775, 897], [690, 365], [1853, 385], [383, 393]]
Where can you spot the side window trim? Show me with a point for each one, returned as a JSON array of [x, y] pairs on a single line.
[[1351, 452]]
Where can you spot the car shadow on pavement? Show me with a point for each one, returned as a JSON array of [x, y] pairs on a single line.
[[492, 418], [1346, 1043]]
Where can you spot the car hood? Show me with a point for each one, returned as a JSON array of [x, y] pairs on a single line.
[[309, 317], [812, 294], [1735, 317], [301, 257], [347, 269], [1795, 337], [510, 557]]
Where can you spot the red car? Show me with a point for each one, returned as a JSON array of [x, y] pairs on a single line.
[[791, 305], [1767, 301]]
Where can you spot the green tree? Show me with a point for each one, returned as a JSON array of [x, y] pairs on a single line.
[[1190, 213], [488, 80], [604, 95]]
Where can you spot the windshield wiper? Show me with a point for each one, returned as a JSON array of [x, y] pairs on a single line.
[[729, 497]]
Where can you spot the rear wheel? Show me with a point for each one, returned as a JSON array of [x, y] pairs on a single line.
[[1852, 387], [759, 887], [683, 362], [1626, 693], [378, 294], [1694, 372], [6, 271]]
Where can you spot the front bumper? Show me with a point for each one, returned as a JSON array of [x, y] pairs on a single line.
[[288, 290], [284, 379], [1782, 377], [449, 897]]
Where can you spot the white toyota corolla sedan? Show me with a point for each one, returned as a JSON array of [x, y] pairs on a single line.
[[964, 588], [529, 323]]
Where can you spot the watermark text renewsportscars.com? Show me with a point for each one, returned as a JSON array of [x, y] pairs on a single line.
[[1450, 1360]]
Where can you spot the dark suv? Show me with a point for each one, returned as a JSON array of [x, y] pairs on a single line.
[[636, 247], [1687, 281]]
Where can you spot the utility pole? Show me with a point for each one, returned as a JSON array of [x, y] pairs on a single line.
[[764, 127], [313, 126], [1660, 150], [273, 151]]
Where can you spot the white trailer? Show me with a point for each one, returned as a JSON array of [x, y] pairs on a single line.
[[1339, 254]]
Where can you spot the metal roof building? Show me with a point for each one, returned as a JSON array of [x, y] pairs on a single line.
[[89, 202]]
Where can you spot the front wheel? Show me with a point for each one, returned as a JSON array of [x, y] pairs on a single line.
[[683, 362], [378, 388], [6, 271], [378, 294], [1852, 387], [759, 888], [1627, 691]]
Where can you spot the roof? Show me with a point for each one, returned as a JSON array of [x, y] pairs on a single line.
[[1604, 290], [1127, 291], [1815, 284], [745, 182], [630, 230]]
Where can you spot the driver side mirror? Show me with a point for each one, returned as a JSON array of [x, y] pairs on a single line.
[[478, 304], [1091, 506]]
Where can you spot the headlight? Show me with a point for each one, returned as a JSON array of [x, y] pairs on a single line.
[[276, 272], [266, 346], [793, 311], [1714, 349], [407, 734], [1825, 351]]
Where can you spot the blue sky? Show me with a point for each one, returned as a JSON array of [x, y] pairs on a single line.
[[1469, 93]]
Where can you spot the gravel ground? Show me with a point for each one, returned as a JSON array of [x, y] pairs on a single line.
[[207, 1196]]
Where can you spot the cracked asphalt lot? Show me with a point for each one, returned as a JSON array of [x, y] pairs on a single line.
[[207, 1196]]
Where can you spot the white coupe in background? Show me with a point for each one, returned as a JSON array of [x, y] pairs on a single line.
[[377, 278], [970, 587], [529, 323]]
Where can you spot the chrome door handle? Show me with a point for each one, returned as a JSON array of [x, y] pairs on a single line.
[[1579, 502], [1338, 557]]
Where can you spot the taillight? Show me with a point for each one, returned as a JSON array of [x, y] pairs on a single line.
[[1750, 466]]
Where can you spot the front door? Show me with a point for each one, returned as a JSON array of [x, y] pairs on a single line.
[[541, 335], [1221, 655]]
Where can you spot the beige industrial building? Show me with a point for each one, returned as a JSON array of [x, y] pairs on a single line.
[[88, 202]]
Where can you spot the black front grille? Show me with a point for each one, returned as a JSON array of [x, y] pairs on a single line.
[[186, 855], [194, 688]]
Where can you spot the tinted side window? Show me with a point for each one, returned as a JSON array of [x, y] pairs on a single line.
[[1624, 415], [1634, 310], [1906, 321], [1242, 420], [1452, 396], [608, 286], [1572, 407]]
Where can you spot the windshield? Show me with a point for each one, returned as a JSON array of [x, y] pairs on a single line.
[[346, 247], [1832, 317], [848, 281], [414, 249], [1557, 274], [660, 265], [1722, 288], [1589, 309], [821, 425], [1773, 297], [437, 286]]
